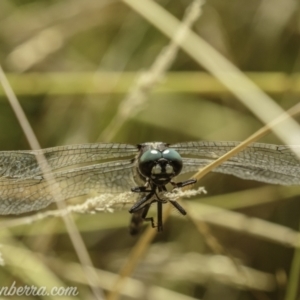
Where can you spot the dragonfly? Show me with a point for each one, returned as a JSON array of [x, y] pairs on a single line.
[[145, 169]]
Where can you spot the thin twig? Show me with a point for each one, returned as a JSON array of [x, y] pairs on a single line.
[[295, 110], [115, 82], [138, 98], [248, 225], [229, 75], [74, 234]]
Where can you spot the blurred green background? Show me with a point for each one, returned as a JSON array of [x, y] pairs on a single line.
[[72, 63]]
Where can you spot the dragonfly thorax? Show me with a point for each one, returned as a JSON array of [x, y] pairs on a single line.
[[160, 166]]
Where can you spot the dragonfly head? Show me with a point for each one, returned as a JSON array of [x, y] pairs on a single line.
[[160, 166]]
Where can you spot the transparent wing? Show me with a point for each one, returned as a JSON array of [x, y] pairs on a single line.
[[23, 164], [269, 163], [24, 195]]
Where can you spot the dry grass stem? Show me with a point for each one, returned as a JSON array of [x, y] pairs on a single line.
[[178, 193], [230, 76], [74, 234], [103, 203], [295, 110], [133, 104], [117, 82], [107, 202], [133, 287], [47, 38], [198, 268], [239, 222], [137, 98]]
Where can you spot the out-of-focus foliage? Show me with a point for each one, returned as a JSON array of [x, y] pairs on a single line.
[[86, 37]]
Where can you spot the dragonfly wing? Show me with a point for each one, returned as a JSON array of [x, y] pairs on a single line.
[[23, 164], [269, 163], [24, 195]]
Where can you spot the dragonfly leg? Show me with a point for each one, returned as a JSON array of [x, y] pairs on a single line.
[[140, 189], [139, 204], [178, 207], [174, 202], [147, 188], [183, 183], [159, 217], [138, 218], [159, 225], [145, 212]]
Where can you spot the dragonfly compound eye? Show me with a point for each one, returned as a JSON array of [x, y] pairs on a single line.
[[163, 165], [174, 159], [148, 160]]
